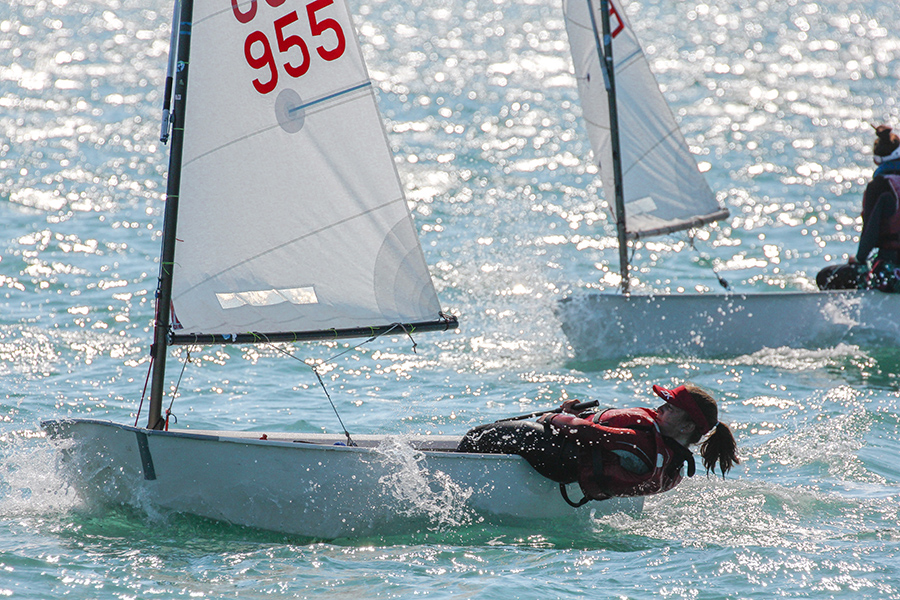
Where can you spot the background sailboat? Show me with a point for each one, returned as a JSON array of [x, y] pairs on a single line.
[[653, 186], [285, 221]]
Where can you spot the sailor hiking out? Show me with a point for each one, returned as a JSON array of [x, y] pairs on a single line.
[[616, 452]]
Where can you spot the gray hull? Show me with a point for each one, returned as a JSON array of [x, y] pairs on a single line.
[[611, 326]]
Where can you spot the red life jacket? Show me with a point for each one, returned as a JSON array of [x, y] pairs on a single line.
[[633, 430], [889, 229]]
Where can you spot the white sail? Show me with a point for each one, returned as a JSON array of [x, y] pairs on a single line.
[[291, 213], [663, 188]]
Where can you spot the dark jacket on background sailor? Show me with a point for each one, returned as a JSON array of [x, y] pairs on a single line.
[[881, 226], [880, 214], [881, 219]]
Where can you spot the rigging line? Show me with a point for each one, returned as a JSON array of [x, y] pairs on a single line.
[[352, 348], [350, 442], [722, 280], [187, 359], [150, 366], [143, 393], [409, 335]]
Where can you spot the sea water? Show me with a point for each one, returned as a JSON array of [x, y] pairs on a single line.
[[776, 100]]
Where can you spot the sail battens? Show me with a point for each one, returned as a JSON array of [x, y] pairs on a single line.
[[315, 104], [445, 323], [311, 234], [331, 96], [623, 62], [649, 152]]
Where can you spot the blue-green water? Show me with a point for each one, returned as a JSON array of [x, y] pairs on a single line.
[[777, 100]]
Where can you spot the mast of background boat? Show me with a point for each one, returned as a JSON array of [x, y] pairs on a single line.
[[159, 350], [605, 53], [170, 70]]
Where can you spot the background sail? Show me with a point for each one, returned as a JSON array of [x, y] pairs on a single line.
[[291, 212], [664, 191]]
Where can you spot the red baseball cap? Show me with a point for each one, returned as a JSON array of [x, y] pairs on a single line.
[[683, 399]]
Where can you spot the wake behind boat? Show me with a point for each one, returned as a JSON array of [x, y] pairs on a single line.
[[285, 221], [653, 186]]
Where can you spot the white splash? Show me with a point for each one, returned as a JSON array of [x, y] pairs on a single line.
[[423, 492], [31, 478], [842, 311]]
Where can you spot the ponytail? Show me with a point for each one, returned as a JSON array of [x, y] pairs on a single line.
[[721, 448]]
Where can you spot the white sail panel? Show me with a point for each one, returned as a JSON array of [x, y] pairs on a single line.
[[663, 188], [291, 214]]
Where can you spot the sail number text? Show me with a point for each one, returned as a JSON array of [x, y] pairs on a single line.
[[294, 56]]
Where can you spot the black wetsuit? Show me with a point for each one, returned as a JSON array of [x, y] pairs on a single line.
[[550, 454]]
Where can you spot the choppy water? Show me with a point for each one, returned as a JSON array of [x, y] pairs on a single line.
[[776, 98]]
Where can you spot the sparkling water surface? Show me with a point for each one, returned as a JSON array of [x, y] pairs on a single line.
[[776, 100]]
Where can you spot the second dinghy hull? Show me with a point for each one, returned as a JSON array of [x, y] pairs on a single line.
[[612, 326]]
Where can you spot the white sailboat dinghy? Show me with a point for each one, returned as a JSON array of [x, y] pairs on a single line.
[[652, 183], [291, 226]]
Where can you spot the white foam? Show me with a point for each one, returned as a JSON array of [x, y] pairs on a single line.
[[31, 477], [421, 491]]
